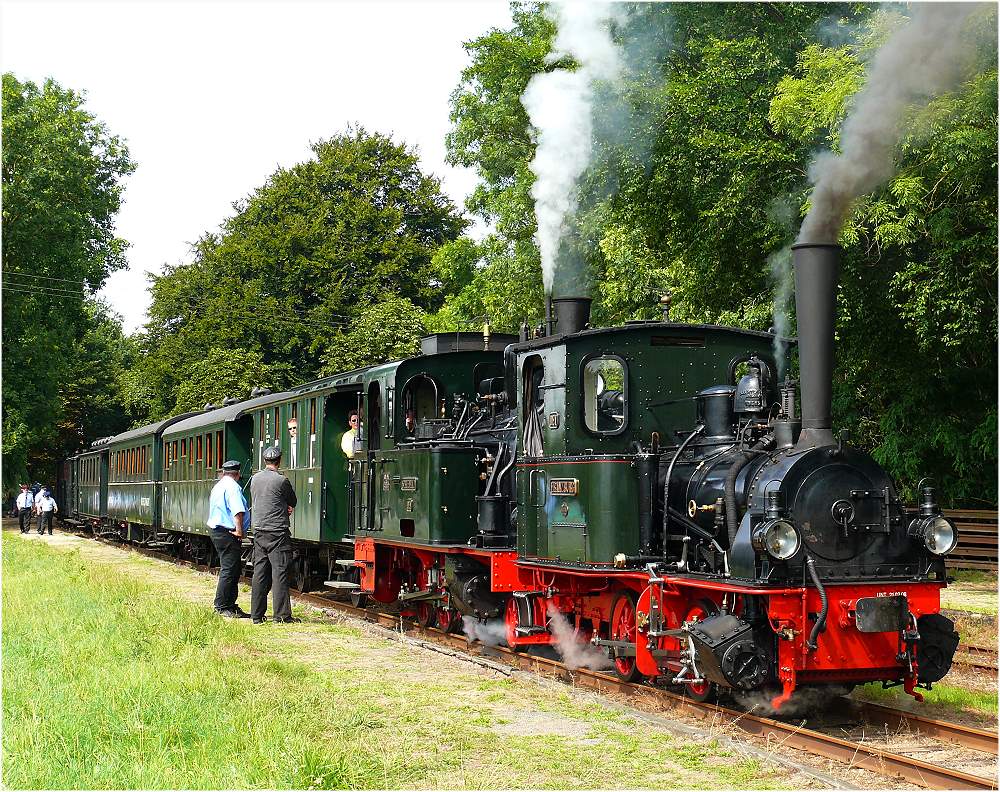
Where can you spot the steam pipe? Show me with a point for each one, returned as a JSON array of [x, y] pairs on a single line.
[[666, 483], [816, 271], [742, 458], [824, 605]]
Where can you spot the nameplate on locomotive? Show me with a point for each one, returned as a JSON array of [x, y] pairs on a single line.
[[881, 614], [563, 486], [408, 484]]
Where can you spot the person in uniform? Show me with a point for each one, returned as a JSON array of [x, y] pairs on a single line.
[[46, 507], [273, 502], [25, 506], [347, 441], [227, 517]]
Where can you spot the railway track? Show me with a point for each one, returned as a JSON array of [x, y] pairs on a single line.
[[779, 733], [978, 658]]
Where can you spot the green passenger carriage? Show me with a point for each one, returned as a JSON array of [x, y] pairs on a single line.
[[90, 472], [135, 460]]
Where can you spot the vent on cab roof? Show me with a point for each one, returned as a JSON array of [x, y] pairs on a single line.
[[678, 340]]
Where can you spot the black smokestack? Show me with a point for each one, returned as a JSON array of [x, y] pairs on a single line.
[[570, 314], [816, 271]]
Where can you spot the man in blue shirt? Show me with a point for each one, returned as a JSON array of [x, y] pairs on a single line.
[[227, 519]]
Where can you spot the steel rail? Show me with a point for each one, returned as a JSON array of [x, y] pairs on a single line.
[[852, 754], [965, 736], [974, 666]]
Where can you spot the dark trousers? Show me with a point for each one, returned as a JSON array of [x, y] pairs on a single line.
[[44, 520], [272, 555], [228, 547], [24, 520]]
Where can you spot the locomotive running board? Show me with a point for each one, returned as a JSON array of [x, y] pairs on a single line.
[[420, 596]]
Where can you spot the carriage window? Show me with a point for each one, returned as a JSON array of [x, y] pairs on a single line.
[[604, 395]]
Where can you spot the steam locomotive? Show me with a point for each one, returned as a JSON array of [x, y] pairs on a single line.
[[654, 484]]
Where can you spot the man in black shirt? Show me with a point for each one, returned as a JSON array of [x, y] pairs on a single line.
[[272, 499]]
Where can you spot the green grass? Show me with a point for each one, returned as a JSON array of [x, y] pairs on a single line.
[[975, 576], [111, 680], [973, 591], [942, 697]]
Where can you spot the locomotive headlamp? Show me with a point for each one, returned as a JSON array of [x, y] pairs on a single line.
[[938, 534], [777, 538]]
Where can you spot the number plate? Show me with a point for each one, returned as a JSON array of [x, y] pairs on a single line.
[[563, 486], [408, 484], [881, 614]]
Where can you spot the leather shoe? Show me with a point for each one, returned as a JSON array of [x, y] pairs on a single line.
[[240, 613], [261, 620], [289, 620], [228, 613]]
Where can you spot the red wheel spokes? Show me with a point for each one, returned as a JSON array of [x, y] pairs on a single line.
[[623, 629]]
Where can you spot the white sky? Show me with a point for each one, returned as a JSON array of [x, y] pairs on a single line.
[[213, 96]]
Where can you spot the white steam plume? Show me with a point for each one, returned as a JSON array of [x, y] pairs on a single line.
[[490, 633], [575, 653], [559, 105], [922, 58]]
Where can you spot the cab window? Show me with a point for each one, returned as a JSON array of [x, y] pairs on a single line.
[[605, 394], [421, 396]]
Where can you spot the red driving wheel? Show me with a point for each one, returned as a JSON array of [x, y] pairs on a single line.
[[700, 691], [623, 629], [510, 624], [426, 615], [448, 620]]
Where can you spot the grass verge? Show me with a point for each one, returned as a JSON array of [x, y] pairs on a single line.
[[942, 698], [111, 680]]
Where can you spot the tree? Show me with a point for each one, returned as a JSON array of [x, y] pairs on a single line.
[[303, 256], [697, 184], [62, 185], [388, 330], [926, 245], [225, 374]]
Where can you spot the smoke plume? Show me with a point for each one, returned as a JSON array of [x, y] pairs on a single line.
[[780, 264], [922, 58], [490, 633], [574, 653], [559, 104]]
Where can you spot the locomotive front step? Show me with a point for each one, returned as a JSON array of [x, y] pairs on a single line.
[[342, 585]]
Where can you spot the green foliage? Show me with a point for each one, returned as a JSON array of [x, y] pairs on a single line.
[[62, 172], [918, 288], [303, 256], [388, 330], [699, 176], [226, 373]]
